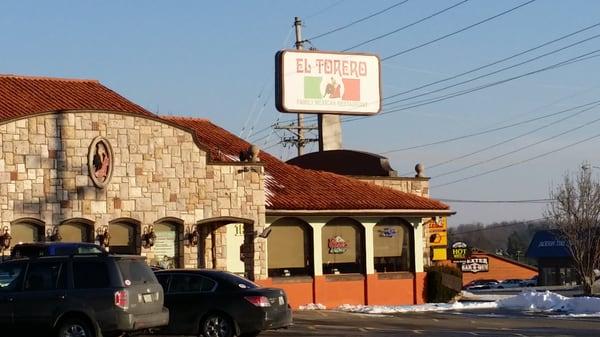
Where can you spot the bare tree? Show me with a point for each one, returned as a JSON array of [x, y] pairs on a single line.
[[575, 211]]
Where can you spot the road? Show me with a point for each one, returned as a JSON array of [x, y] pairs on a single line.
[[448, 324]]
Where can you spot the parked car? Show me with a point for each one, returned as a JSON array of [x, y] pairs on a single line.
[[509, 283], [214, 303], [38, 249], [481, 284], [532, 282], [79, 295]]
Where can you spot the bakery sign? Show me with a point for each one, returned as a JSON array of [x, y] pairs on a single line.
[[327, 82], [337, 245], [475, 265]]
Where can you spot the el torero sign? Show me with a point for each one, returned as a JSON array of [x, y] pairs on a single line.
[[327, 82]]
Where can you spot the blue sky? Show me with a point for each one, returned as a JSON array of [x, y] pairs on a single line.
[[215, 59]]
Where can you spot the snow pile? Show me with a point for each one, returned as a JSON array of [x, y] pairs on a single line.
[[551, 302], [384, 309], [312, 306]]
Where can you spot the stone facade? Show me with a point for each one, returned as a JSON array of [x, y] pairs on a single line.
[[417, 186], [159, 172]]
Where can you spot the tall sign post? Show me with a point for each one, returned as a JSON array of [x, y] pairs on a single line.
[[299, 46]]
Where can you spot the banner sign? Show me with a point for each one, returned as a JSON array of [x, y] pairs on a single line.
[[327, 82], [475, 265], [459, 251]]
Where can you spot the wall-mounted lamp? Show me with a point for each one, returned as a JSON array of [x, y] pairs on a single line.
[[148, 237], [52, 234], [103, 236], [5, 239], [191, 236], [265, 233]]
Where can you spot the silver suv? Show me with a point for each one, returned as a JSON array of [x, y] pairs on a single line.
[[79, 295]]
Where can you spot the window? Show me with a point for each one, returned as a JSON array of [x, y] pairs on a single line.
[[164, 281], [9, 275], [290, 248], [191, 284], [136, 271], [27, 230], [124, 236], [342, 247], [90, 275], [45, 276], [392, 245], [76, 230], [167, 248]]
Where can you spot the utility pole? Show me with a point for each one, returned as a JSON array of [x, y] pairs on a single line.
[[299, 46], [299, 139]]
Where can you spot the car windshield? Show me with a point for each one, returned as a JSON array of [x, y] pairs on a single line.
[[135, 272]]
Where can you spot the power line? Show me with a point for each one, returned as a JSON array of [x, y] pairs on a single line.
[[509, 140], [491, 227], [493, 63], [527, 201], [519, 162], [497, 71], [457, 31], [335, 4], [358, 21], [576, 59], [406, 26]]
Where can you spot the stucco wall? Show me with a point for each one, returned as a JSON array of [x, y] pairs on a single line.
[[159, 171]]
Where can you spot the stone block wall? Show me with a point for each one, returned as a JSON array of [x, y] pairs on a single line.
[[158, 172]]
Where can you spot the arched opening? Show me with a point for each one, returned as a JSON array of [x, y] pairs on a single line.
[[393, 246], [124, 236], [27, 230], [167, 249], [76, 230], [343, 247], [290, 248], [227, 243]]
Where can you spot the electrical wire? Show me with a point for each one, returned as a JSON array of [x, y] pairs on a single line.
[[358, 21], [406, 26], [528, 201], [493, 63], [458, 31], [519, 162], [496, 71], [512, 138]]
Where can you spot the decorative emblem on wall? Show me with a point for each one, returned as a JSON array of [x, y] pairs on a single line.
[[388, 233], [100, 161], [337, 245]]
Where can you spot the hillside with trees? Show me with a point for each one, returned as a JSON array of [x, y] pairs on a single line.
[[509, 239]]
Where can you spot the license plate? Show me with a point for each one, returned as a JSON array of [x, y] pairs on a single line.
[[147, 298], [281, 301]]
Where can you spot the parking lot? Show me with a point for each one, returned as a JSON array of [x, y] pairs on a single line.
[[482, 323]]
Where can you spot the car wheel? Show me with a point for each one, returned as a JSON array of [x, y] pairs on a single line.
[[74, 327], [216, 325]]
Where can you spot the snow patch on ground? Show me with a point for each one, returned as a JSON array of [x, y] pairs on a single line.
[[525, 301], [312, 306]]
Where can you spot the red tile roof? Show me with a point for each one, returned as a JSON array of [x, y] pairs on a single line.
[[292, 188], [21, 96]]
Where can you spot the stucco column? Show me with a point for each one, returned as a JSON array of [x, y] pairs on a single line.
[[368, 225], [417, 224], [317, 247]]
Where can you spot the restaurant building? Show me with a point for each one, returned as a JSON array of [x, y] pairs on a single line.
[[79, 162]]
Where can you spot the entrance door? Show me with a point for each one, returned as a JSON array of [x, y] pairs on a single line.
[[235, 240]]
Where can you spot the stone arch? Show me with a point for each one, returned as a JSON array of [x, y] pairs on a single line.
[[76, 230], [27, 230], [168, 245], [290, 248], [125, 236], [212, 243], [343, 246], [393, 245]]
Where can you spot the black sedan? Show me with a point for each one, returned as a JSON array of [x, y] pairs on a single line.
[[214, 303]]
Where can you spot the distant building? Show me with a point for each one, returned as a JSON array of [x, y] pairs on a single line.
[[484, 265], [553, 258]]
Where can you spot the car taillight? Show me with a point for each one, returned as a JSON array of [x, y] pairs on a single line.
[[122, 299], [259, 301]]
